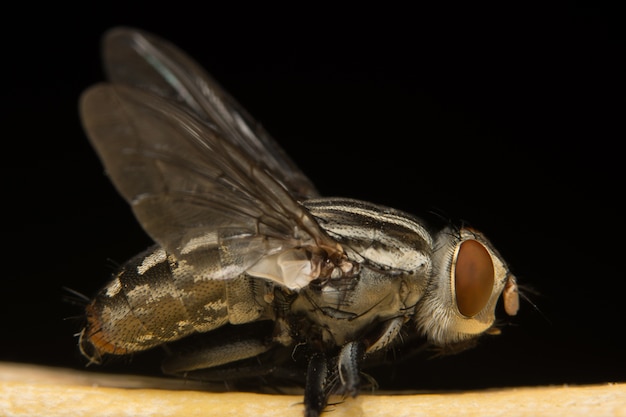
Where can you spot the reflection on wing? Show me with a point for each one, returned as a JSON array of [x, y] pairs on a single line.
[[144, 61], [187, 184]]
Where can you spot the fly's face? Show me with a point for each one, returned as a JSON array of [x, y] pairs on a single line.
[[467, 282], [250, 263]]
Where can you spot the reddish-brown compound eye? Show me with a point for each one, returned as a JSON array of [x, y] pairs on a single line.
[[473, 277]]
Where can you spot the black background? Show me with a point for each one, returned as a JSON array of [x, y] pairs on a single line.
[[509, 119]]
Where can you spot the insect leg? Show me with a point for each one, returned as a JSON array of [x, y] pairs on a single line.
[[226, 345], [316, 390], [348, 367], [210, 357]]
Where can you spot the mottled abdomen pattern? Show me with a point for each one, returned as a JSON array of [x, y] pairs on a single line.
[[155, 298]]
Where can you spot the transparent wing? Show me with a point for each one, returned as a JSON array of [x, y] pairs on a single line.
[[192, 188], [147, 62]]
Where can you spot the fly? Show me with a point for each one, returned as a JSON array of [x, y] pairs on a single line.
[[251, 265]]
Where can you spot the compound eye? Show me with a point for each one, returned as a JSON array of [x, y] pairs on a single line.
[[473, 277]]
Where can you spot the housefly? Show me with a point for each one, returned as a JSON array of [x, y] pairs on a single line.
[[252, 270]]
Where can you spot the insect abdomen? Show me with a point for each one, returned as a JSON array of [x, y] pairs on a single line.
[[155, 299]]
